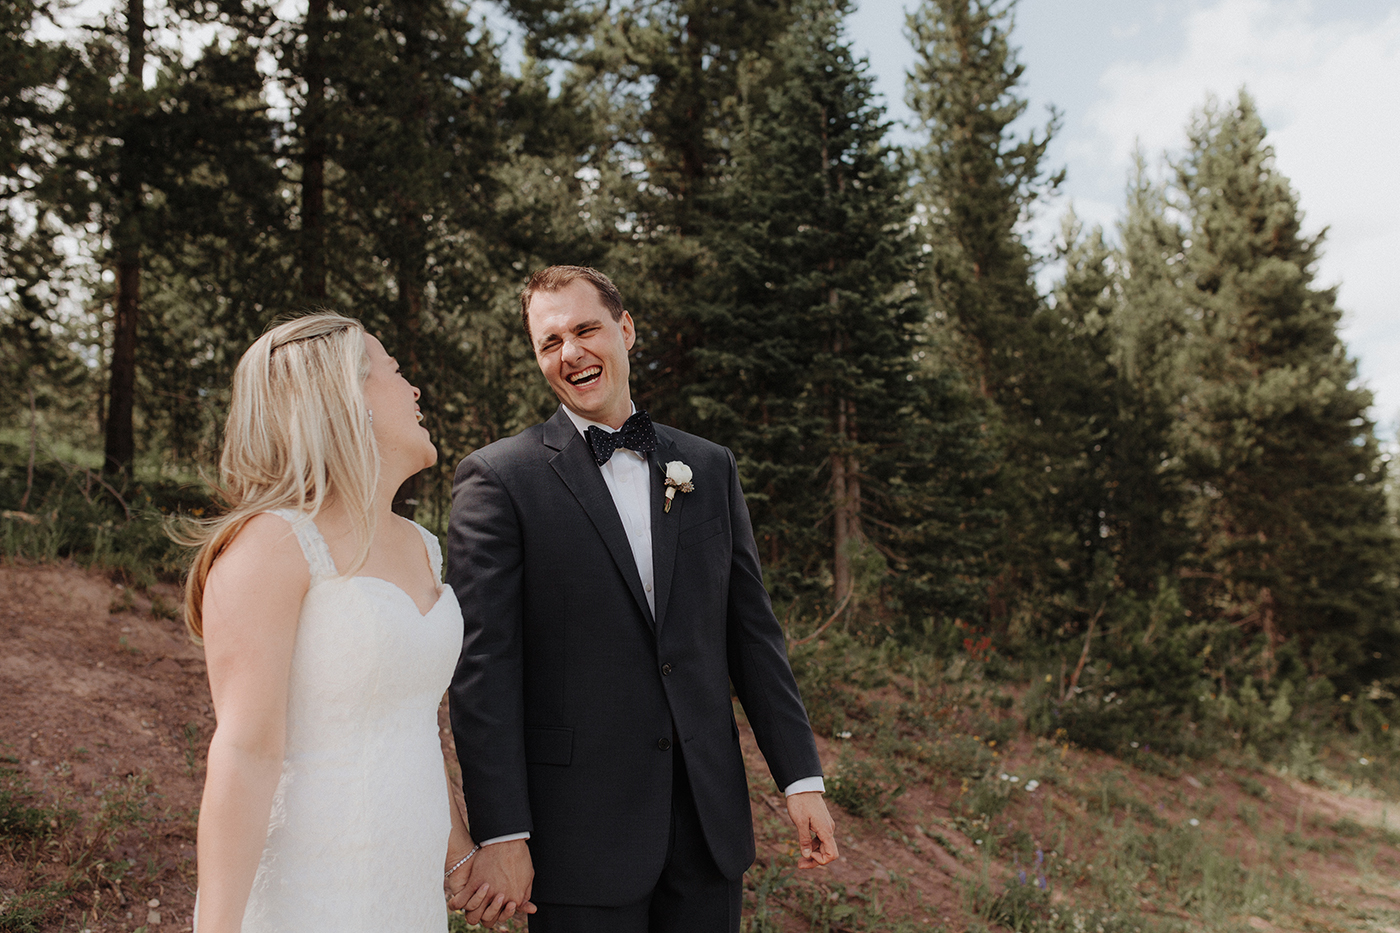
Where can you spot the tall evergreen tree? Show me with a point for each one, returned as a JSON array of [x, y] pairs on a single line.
[[806, 348], [977, 182], [38, 369], [199, 242], [1152, 329], [408, 137], [805, 353], [1290, 511], [128, 237], [660, 79]]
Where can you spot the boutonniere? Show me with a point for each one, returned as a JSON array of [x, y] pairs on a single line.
[[678, 476]]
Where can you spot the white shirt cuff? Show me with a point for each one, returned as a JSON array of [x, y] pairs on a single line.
[[805, 786], [510, 838]]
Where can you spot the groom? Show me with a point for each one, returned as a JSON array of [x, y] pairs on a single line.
[[609, 605]]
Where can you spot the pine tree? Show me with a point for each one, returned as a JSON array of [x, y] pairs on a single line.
[[1151, 334], [805, 358], [1289, 513], [41, 375], [402, 228], [128, 238], [658, 82], [977, 182]]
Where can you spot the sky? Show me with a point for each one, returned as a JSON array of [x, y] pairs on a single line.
[[1326, 79]]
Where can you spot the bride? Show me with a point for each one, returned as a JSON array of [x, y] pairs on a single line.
[[329, 643]]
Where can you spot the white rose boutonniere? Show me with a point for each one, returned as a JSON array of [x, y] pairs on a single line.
[[678, 476]]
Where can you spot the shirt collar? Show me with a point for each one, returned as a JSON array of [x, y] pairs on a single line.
[[583, 424]]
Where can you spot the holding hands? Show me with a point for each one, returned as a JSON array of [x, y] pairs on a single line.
[[491, 883]]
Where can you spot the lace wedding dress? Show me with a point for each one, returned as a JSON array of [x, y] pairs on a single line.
[[359, 826]]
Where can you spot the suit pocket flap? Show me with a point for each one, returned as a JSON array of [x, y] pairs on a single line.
[[690, 537], [549, 745]]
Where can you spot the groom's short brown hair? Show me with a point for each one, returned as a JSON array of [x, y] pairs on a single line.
[[558, 277]]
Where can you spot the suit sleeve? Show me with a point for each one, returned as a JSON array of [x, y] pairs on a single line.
[[758, 662], [484, 568]]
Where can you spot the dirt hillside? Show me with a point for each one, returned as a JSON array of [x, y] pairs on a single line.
[[106, 718]]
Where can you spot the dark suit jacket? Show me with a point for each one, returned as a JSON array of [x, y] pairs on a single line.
[[567, 689]]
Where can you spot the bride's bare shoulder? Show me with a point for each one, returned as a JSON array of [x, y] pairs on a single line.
[[264, 554]]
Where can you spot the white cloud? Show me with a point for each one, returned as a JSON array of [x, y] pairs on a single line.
[[1328, 89]]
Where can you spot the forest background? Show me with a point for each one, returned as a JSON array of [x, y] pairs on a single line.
[[1151, 490]]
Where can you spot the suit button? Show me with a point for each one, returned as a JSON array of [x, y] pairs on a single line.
[[666, 670], [663, 744]]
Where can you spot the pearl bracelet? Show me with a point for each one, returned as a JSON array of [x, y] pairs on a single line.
[[467, 858]]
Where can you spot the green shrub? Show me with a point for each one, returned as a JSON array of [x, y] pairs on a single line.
[[26, 911], [958, 756], [1023, 906], [1150, 762], [857, 788], [71, 512], [1253, 787], [18, 820], [985, 798], [1349, 828]]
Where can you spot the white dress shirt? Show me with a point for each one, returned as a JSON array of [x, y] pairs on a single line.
[[628, 477]]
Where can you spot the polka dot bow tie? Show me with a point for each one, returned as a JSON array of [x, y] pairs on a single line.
[[636, 434]]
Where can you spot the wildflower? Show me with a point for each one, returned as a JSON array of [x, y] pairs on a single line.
[[1031, 785], [1194, 822], [1004, 776], [1014, 779], [1133, 744], [1363, 761], [844, 735]]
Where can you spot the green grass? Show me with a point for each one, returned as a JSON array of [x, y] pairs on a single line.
[[71, 512]]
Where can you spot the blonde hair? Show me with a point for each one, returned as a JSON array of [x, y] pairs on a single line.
[[298, 433]]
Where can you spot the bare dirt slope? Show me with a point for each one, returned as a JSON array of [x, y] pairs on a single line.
[[105, 717]]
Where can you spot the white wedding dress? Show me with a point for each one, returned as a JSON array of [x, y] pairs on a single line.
[[358, 834]]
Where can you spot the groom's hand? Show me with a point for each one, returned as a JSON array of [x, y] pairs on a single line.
[[505, 872], [816, 831]]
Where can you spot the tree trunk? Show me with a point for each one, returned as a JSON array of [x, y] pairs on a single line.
[[845, 485], [313, 158], [845, 481], [1266, 612], [120, 441], [410, 307], [841, 534]]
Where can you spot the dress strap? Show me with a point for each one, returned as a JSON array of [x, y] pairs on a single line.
[[430, 541], [313, 546]]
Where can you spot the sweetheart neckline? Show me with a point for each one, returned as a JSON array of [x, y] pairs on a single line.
[[442, 593]]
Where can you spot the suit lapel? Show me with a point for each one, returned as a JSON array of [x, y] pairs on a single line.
[[575, 465], [665, 526]]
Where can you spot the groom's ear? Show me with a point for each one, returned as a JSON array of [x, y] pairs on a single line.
[[629, 329]]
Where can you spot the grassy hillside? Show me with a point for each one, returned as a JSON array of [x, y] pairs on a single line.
[[951, 815]]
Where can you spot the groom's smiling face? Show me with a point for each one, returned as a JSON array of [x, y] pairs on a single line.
[[582, 351]]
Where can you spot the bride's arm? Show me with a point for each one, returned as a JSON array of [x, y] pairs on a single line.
[[459, 843], [252, 600]]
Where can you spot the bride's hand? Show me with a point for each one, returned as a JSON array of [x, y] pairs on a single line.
[[458, 866], [457, 896]]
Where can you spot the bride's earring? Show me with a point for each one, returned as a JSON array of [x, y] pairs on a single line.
[[371, 415]]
